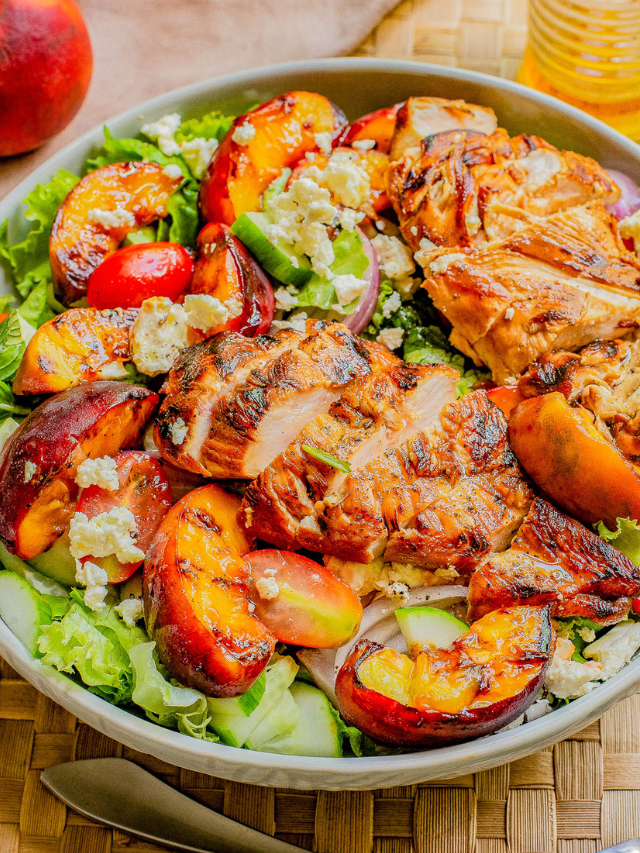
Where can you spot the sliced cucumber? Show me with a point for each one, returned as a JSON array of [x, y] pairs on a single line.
[[41, 583], [142, 235], [57, 563], [279, 261], [229, 718], [280, 720], [421, 625], [9, 426], [317, 732], [23, 609]]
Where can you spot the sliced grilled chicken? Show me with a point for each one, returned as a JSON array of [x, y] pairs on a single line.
[[244, 424], [420, 117], [443, 500], [603, 378], [464, 188], [556, 560], [375, 412], [560, 283]]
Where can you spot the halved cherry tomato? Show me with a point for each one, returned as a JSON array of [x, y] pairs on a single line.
[[145, 490], [506, 397], [636, 606], [135, 273], [300, 601]]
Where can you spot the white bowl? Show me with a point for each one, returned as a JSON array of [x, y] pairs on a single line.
[[358, 86]]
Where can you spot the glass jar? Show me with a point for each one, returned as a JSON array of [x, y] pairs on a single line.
[[587, 53]]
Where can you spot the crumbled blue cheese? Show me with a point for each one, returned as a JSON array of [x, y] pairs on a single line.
[[94, 579], [110, 219], [131, 610], [392, 303], [107, 533], [391, 338], [244, 133], [285, 301], [363, 144], [101, 472], [179, 431], [158, 335], [30, 469], [163, 131], [629, 229], [323, 141], [615, 649], [172, 171], [267, 588], [344, 177]]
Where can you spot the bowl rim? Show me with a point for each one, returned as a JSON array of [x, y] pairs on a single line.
[[305, 772]]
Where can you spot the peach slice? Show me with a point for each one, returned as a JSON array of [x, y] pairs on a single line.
[[97, 215], [278, 133], [38, 466], [377, 127], [565, 455], [481, 682], [80, 345], [196, 597]]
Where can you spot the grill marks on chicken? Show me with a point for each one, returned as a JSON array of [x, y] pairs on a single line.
[[464, 188], [445, 498], [560, 283], [241, 407], [374, 413], [603, 378], [556, 560]]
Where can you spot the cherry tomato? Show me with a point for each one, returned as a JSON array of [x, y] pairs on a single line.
[[3, 316], [506, 397], [301, 601], [145, 490], [135, 273], [636, 606]]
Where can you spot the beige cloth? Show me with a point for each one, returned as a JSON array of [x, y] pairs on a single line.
[[145, 47]]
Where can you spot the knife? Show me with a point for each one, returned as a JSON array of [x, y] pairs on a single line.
[[120, 794]]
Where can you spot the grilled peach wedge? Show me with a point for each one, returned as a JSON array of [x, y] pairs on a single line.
[[268, 139], [377, 127], [97, 215], [565, 455], [80, 345], [38, 466], [226, 270], [196, 597], [481, 682]]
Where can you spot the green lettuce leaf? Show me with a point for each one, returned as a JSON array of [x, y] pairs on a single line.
[[123, 150], [626, 537], [185, 219], [27, 262], [166, 702], [213, 125], [36, 309], [12, 345], [9, 408], [349, 258], [580, 631]]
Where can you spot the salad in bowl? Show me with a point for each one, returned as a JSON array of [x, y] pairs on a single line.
[[320, 438]]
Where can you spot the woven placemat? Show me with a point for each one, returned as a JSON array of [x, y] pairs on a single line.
[[580, 796]]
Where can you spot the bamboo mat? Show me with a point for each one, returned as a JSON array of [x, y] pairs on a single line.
[[580, 796]]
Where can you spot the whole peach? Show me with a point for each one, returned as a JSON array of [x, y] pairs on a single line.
[[45, 69]]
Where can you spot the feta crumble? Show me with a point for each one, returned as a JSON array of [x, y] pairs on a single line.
[[267, 588], [348, 287], [107, 533], [323, 141], [30, 469], [569, 679], [394, 256], [101, 472], [441, 265], [244, 133], [349, 218], [94, 579], [172, 171], [615, 648], [297, 322], [391, 338], [163, 131], [344, 177], [629, 229], [198, 153], [109, 219], [205, 312], [508, 314], [158, 336], [363, 144], [131, 610], [285, 301], [179, 431], [392, 304]]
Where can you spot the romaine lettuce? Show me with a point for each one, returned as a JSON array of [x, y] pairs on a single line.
[[626, 537], [122, 150], [12, 345], [213, 125], [349, 257], [8, 406]]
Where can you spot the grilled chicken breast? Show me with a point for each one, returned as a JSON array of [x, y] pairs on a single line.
[[375, 412], [420, 117], [233, 404], [465, 188], [443, 500], [556, 560], [603, 378], [560, 283]]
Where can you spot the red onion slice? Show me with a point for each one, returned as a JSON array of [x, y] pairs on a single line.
[[380, 625], [361, 317], [629, 200]]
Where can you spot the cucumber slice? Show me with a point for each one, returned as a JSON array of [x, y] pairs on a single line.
[[142, 235], [317, 732], [279, 260], [421, 625], [57, 563], [39, 582], [23, 609], [280, 720], [229, 718]]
